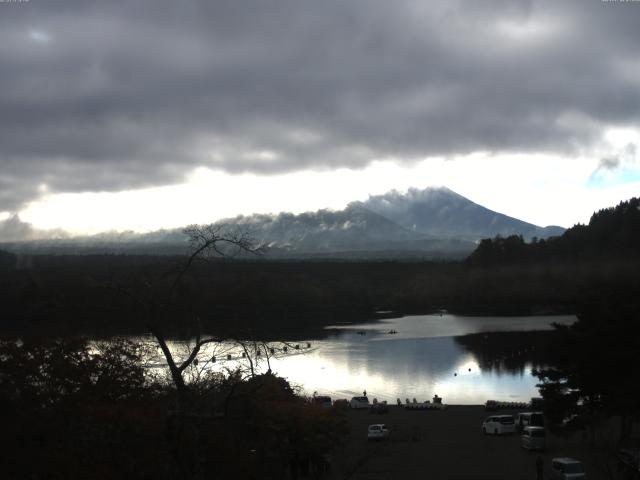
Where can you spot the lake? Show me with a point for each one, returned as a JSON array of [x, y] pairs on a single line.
[[429, 354]]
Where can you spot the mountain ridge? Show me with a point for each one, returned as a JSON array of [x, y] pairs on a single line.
[[443, 212], [434, 223]]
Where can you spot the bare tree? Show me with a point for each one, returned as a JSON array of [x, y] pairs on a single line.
[[200, 404], [206, 242]]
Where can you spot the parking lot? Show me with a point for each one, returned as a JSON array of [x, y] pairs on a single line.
[[448, 445]]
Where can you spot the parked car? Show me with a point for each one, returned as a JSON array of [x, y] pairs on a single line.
[[526, 419], [377, 431], [567, 469], [499, 424], [359, 402], [533, 438], [322, 400]]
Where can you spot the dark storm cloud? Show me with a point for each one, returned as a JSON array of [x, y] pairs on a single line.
[[114, 95]]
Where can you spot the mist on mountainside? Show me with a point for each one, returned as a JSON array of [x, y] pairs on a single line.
[[434, 223]]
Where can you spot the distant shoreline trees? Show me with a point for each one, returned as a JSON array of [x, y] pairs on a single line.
[[611, 233]]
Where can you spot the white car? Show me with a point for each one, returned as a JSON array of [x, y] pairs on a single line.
[[499, 424], [567, 469], [377, 431], [359, 402], [533, 438]]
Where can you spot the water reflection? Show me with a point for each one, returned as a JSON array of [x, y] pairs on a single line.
[[452, 356], [447, 325], [390, 369], [507, 352]]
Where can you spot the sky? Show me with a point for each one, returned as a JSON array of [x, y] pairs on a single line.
[[147, 114]]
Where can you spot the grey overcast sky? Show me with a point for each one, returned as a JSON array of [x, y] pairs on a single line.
[[148, 109]]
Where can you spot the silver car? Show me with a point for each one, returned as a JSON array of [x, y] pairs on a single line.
[[533, 438], [378, 431], [567, 469]]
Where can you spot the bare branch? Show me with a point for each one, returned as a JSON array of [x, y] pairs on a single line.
[[194, 353], [205, 240]]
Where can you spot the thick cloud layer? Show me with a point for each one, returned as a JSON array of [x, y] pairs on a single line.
[[108, 95]]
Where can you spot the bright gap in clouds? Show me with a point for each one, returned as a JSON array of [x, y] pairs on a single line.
[[543, 190]]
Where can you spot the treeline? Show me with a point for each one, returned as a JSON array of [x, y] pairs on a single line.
[[612, 234], [101, 294]]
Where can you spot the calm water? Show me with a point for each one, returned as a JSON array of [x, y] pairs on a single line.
[[420, 360]]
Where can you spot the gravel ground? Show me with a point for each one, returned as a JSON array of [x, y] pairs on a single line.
[[446, 445]]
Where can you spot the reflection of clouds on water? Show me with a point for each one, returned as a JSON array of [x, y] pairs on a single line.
[[401, 368], [421, 360]]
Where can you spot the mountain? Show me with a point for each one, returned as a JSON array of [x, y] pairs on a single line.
[[435, 223], [441, 212], [355, 230]]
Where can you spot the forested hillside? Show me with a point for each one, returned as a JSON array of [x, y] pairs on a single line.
[[503, 276], [611, 233]]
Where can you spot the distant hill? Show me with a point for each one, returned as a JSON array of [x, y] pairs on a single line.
[[612, 233], [441, 212], [353, 228], [435, 223], [356, 230]]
